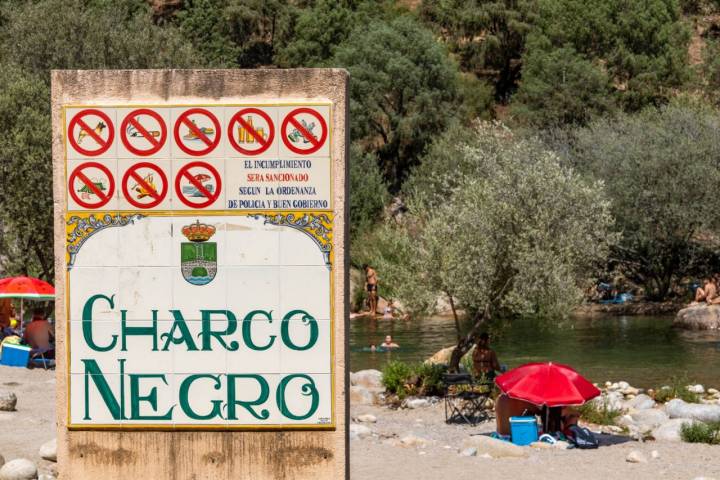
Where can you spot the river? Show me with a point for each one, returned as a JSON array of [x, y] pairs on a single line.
[[642, 350]]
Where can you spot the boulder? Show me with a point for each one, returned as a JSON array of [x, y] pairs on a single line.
[[636, 457], [361, 395], [18, 469], [367, 418], [358, 432], [670, 430], [493, 447], [611, 400], [677, 408], [712, 391], [699, 389], [641, 402], [648, 420], [442, 357], [8, 401], [367, 379], [698, 317], [48, 451]]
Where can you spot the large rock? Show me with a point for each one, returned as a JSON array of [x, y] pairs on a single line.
[[442, 357], [648, 420], [48, 451], [677, 408], [361, 395], [698, 317], [367, 379], [670, 430], [612, 401], [413, 403], [8, 401], [641, 402], [494, 447], [18, 469]]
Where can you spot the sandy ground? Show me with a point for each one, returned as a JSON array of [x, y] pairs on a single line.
[[377, 457], [33, 423], [23, 431]]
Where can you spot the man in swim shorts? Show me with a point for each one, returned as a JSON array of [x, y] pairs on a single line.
[[371, 284]]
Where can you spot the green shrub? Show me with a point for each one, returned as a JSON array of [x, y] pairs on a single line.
[[697, 432], [395, 376], [429, 378], [598, 414], [676, 389]]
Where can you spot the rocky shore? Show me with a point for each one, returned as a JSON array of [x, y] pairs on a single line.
[[415, 442], [698, 317]]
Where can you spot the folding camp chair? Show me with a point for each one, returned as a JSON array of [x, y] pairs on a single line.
[[39, 356], [463, 402]]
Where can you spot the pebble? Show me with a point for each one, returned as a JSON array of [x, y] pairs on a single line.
[[18, 469], [367, 418], [8, 401], [469, 452], [636, 457], [413, 441], [655, 454], [414, 403], [358, 432], [48, 451]]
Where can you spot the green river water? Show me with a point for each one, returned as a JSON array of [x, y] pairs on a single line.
[[642, 350]]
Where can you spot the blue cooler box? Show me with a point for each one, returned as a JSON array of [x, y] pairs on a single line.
[[15, 355], [523, 430]]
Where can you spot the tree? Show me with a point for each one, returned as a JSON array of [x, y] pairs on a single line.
[[488, 36], [559, 86], [661, 169], [26, 205], [368, 192], [403, 91], [69, 34], [519, 235]]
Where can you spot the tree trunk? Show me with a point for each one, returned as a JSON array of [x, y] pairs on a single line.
[[455, 316], [465, 344]]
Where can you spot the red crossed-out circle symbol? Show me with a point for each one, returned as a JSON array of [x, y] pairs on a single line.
[[315, 143], [144, 185], [90, 186], [79, 129], [263, 139], [196, 182], [196, 133], [150, 144]]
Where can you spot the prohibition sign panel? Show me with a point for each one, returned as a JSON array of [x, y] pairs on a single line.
[[251, 131], [197, 132], [145, 185], [90, 133], [304, 131], [198, 184], [91, 185], [143, 132]]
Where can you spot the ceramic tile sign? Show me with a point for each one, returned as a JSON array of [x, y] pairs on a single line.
[[199, 251]]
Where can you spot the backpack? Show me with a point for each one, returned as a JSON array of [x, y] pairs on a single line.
[[583, 438]]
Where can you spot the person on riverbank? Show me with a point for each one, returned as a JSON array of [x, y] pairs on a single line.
[[708, 292], [38, 333], [371, 284], [485, 362]]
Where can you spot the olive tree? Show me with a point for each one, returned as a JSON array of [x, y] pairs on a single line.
[[517, 234]]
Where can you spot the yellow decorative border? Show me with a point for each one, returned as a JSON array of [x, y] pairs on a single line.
[[326, 221]]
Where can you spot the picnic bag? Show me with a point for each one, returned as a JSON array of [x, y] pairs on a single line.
[[583, 438]]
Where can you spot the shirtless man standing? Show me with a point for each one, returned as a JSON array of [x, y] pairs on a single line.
[[371, 284]]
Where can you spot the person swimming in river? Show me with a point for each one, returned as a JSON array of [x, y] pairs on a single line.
[[389, 343]]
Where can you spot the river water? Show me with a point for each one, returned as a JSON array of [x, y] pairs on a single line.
[[642, 350]]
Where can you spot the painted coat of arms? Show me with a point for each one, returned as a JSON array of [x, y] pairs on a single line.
[[198, 257]]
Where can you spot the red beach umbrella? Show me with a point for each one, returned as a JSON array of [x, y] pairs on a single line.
[[26, 287], [551, 384]]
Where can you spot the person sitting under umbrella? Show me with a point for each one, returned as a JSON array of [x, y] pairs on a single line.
[[38, 333]]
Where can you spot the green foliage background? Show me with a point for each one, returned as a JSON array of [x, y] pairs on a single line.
[[609, 86]]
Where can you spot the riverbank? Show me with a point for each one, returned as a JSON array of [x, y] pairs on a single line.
[[628, 308], [415, 443]]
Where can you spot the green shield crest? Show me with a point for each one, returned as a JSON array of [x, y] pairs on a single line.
[[198, 262]]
